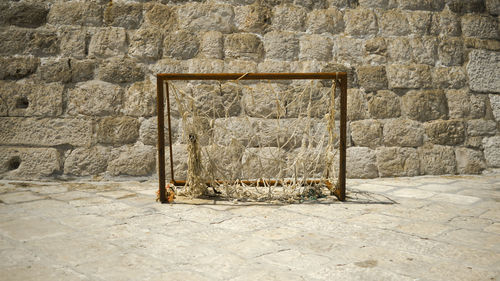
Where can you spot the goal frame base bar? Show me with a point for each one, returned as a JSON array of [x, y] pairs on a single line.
[[162, 91]]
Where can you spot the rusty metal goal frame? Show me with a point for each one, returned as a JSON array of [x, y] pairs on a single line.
[[162, 91]]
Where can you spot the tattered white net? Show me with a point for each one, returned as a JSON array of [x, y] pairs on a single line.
[[281, 135]]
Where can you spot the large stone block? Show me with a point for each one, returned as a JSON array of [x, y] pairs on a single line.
[[451, 51], [180, 44], [372, 78], [145, 43], [120, 70], [160, 16], [437, 160], [126, 15], [212, 45], [206, 16], [409, 76], [348, 50], [475, 43], [17, 67], [31, 99], [469, 161], [55, 70], [82, 70], [422, 22], [263, 99], [140, 99], [252, 18], [384, 104], [429, 5], [315, 47], [76, 13], [254, 168], [28, 163], [484, 71], [403, 132], [466, 6], [273, 66], [329, 21], [397, 162], [382, 4], [73, 41], [495, 106], [244, 46], [45, 132], [449, 24], [425, 105], [424, 50], [94, 98], [481, 127], [148, 132], [240, 66], [205, 66], [480, 26], [360, 21], [111, 41], [449, 77], [361, 163], [281, 45], [356, 105], [344, 3], [24, 14], [138, 160], [492, 151], [398, 50], [446, 132], [493, 7], [118, 130], [462, 104], [36, 42], [394, 23], [84, 161], [366, 133], [289, 17]]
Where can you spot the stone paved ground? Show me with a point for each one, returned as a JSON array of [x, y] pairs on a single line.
[[424, 228]]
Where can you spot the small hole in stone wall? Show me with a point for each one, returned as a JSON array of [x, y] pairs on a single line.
[[14, 163], [22, 102]]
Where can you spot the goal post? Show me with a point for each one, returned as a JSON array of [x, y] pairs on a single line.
[[163, 95]]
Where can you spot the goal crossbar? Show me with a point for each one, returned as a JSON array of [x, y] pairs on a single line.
[[162, 89]]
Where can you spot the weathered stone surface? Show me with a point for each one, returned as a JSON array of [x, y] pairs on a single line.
[[180, 44], [343, 3], [82, 70], [212, 45], [17, 67], [94, 98], [244, 46], [289, 17], [360, 21], [209, 16], [451, 51], [84, 161], [437, 160], [281, 45], [18, 99], [120, 70], [397, 162], [424, 50], [493, 7], [366, 133], [446, 132], [449, 24], [348, 50], [320, 21], [484, 71], [254, 168], [24, 14], [422, 22], [28, 163], [384, 104], [148, 132], [449, 77], [372, 78], [409, 76], [469, 161], [480, 26], [145, 43], [111, 41], [394, 23], [138, 160], [475, 43], [37, 42], [376, 50], [205, 66], [159, 16], [261, 100], [466, 6], [481, 127], [140, 99], [425, 105], [73, 42], [462, 104], [382, 4], [361, 163], [240, 66], [430, 5], [252, 18], [356, 105], [315, 47], [47, 132], [398, 50], [403, 132], [495, 106], [76, 13], [126, 15], [273, 66], [118, 130], [55, 70], [492, 151]]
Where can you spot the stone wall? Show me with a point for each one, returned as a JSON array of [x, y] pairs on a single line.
[[77, 88]]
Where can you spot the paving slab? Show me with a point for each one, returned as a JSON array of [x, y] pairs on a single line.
[[422, 228]]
